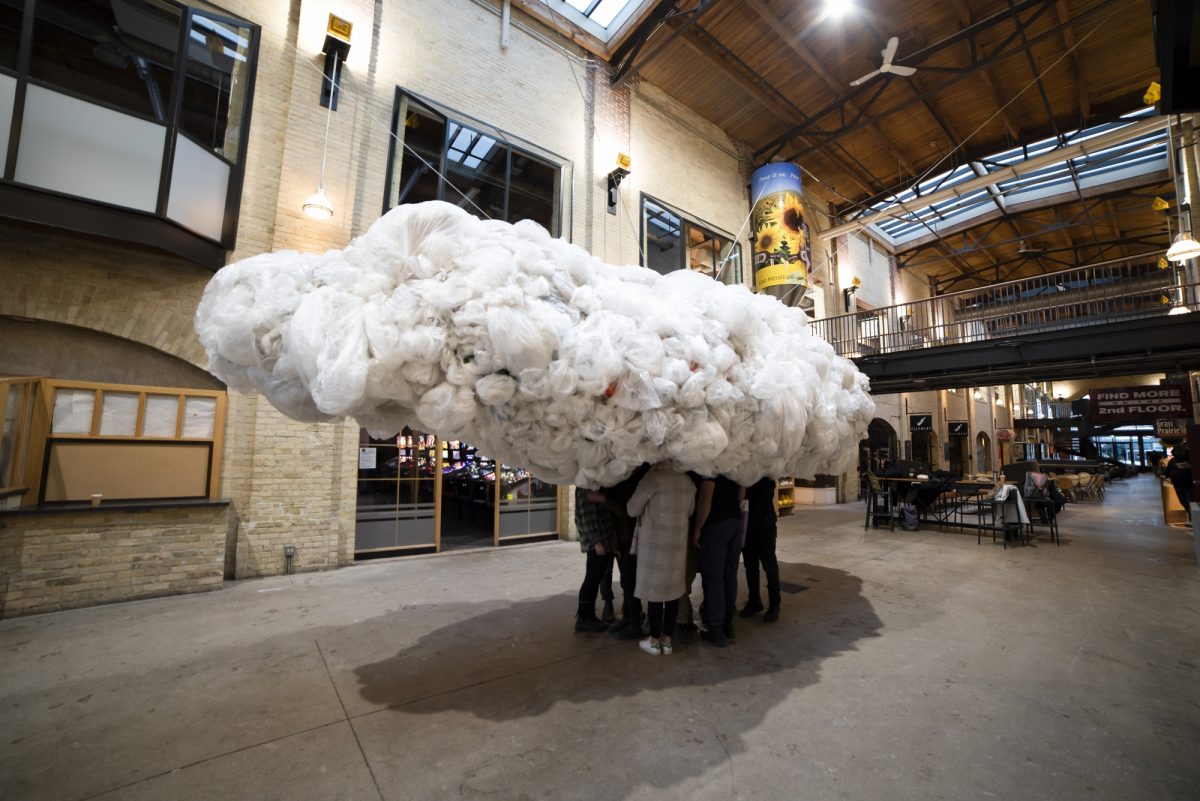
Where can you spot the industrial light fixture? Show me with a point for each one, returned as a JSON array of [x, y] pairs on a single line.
[[849, 291], [614, 180], [1183, 248], [336, 48]]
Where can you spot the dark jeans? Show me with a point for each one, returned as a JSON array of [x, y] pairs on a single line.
[[631, 607], [662, 617], [760, 549], [719, 547], [597, 566]]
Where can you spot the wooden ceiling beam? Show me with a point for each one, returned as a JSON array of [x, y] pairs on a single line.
[[1064, 16], [704, 45], [965, 18], [777, 25]]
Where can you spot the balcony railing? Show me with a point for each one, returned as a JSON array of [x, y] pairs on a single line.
[[1083, 296]]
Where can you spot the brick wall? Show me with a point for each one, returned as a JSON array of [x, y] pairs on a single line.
[[68, 559], [294, 484]]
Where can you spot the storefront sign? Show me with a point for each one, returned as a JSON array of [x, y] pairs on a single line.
[[920, 422], [1140, 404], [1170, 429], [959, 428], [1005, 434], [782, 253]]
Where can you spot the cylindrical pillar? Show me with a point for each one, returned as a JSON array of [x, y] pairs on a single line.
[[782, 253]]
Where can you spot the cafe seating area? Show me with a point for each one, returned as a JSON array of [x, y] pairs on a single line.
[[983, 503]]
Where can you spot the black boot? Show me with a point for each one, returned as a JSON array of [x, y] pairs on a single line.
[[752, 608], [772, 614], [629, 629], [728, 628], [586, 620]]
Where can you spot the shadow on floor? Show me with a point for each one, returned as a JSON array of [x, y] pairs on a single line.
[[521, 663], [534, 637]]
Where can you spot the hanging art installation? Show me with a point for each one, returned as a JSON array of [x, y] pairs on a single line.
[[536, 351], [782, 253]]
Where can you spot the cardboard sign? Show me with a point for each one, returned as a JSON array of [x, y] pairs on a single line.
[[1140, 404]]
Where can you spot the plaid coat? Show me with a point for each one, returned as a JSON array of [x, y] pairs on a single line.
[[662, 502]]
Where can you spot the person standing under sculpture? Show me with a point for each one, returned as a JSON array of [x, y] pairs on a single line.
[[760, 549], [662, 502], [717, 533], [598, 539], [617, 498]]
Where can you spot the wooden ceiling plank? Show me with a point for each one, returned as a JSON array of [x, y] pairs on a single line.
[[776, 25], [1062, 8], [778, 106], [965, 17]]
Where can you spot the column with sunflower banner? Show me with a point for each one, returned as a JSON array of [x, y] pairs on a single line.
[[782, 255]]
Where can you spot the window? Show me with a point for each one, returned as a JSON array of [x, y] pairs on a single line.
[[131, 105], [11, 14], [665, 233], [109, 441], [121, 54], [217, 72], [483, 170]]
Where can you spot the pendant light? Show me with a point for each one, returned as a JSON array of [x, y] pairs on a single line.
[[317, 205]]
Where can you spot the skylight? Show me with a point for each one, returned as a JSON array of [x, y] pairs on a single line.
[[600, 18], [1138, 156]]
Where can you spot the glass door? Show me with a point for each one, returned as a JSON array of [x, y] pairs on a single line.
[[528, 506], [418, 492], [399, 482], [469, 496]]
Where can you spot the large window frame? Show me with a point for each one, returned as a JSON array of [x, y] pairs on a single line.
[[60, 435], [454, 122], [157, 228], [694, 236]]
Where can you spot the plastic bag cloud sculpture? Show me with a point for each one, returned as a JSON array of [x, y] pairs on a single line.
[[536, 352]]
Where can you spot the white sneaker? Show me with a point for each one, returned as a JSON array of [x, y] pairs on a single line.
[[665, 648], [651, 647]]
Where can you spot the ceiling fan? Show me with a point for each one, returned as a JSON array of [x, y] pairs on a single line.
[[887, 67]]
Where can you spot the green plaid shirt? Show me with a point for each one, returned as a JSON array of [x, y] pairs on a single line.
[[594, 521]]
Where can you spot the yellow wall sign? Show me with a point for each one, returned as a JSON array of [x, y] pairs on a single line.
[[339, 27]]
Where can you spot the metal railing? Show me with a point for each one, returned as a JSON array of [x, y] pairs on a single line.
[[1074, 298]]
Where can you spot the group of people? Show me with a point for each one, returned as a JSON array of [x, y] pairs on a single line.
[[662, 527]]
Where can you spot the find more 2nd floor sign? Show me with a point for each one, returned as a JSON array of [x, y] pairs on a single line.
[[1144, 404]]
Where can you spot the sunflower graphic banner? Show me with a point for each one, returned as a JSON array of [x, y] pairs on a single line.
[[782, 255]]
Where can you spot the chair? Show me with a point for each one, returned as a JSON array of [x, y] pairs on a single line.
[[1045, 516], [1067, 484], [880, 503]]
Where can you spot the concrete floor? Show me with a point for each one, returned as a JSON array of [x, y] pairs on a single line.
[[910, 666]]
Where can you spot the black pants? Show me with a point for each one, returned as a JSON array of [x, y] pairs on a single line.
[[606, 591], [1184, 493], [719, 548], [760, 549], [662, 617], [597, 567], [631, 607]]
